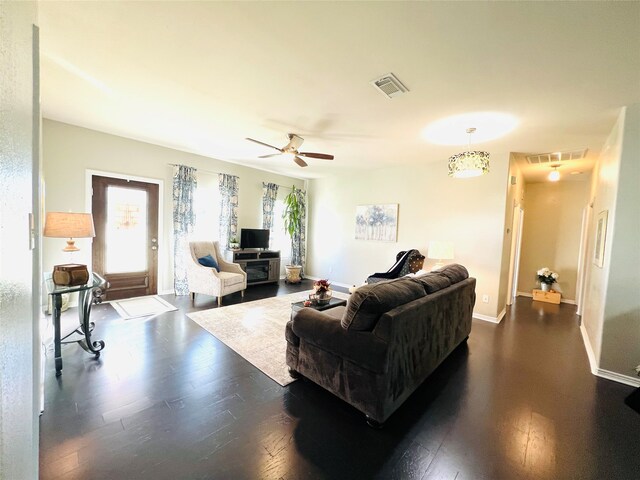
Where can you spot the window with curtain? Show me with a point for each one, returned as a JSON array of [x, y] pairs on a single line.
[[280, 240], [207, 208]]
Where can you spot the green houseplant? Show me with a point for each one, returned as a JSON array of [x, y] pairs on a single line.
[[293, 215]]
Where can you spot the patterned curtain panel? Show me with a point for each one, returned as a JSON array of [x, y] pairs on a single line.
[[269, 195], [298, 251], [228, 208], [184, 218]]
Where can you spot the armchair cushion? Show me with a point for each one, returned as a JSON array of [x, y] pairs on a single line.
[[209, 261]]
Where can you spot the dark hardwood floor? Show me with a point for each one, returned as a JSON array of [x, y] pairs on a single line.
[[166, 400]]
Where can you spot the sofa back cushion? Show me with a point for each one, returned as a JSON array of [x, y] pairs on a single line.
[[432, 282], [369, 302], [454, 272]]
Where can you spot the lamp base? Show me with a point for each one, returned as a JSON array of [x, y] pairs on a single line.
[[70, 274]]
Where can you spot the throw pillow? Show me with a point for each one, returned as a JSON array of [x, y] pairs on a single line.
[[415, 263], [209, 261]]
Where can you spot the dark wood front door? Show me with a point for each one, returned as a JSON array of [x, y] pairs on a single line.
[[125, 248]]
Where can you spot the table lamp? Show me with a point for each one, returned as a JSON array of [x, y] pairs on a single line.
[[439, 251], [69, 225]]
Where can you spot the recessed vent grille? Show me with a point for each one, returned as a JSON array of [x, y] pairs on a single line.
[[554, 157], [389, 85]]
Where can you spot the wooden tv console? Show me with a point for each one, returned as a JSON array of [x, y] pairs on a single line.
[[261, 266]]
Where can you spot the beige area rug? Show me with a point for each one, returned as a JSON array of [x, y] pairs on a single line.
[[141, 306], [255, 330]]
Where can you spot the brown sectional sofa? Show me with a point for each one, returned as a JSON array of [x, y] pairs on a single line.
[[377, 350]]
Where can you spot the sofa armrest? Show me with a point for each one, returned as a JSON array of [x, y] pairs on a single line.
[[325, 332]]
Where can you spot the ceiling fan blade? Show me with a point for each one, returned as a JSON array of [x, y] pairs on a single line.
[[299, 161], [322, 156], [270, 155], [265, 144]]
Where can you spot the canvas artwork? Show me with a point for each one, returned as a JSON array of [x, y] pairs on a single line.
[[377, 222], [601, 235]]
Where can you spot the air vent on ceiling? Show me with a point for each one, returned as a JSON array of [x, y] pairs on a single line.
[[389, 85], [554, 157]]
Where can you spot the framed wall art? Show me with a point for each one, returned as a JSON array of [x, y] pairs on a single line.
[[601, 235], [377, 222]]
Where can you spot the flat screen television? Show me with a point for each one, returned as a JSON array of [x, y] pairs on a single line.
[[254, 238]]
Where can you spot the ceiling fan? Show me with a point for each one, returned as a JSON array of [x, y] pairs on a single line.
[[291, 148]]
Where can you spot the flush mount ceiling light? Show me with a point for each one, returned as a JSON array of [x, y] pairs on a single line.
[[554, 175], [470, 163], [449, 131]]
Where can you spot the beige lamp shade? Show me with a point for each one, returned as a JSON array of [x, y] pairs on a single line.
[[69, 225], [439, 250]]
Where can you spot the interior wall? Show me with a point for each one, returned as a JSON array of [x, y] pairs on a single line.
[[515, 197], [604, 189], [432, 206], [18, 168], [70, 151], [621, 326], [551, 233]]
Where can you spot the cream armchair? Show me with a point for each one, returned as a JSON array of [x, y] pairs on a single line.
[[230, 279]]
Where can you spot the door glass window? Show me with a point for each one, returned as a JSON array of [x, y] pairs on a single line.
[[126, 230]]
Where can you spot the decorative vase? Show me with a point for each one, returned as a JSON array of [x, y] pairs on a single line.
[[545, 287], [323, 298]]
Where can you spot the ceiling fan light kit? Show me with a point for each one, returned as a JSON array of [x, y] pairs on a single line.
[[291, 149], [471, 163]]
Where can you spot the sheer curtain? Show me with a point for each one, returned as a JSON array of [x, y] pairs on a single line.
[[298, 250], [207, 200], [269, 197], [228, 208], [184, 187]]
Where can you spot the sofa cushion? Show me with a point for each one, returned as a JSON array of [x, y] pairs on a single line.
[[454, 272], [433, 282], [415, 263], [209, 261], [367, 304], [228, 279]]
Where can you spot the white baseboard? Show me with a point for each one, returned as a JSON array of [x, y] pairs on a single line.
[[618, 377], [562, 300], [487, 318], [601, 372], [590, 353]]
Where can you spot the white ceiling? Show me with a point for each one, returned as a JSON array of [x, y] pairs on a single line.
[[202, 76]]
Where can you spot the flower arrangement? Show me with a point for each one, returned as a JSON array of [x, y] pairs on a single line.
[[322, 286], [546, 276]]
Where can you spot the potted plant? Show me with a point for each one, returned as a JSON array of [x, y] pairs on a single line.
[[546, 278], [292, 216]]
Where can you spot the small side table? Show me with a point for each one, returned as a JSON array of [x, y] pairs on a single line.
[[333, 302], [87, 293]]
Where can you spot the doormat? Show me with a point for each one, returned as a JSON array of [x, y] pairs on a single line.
[[141, 306]]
